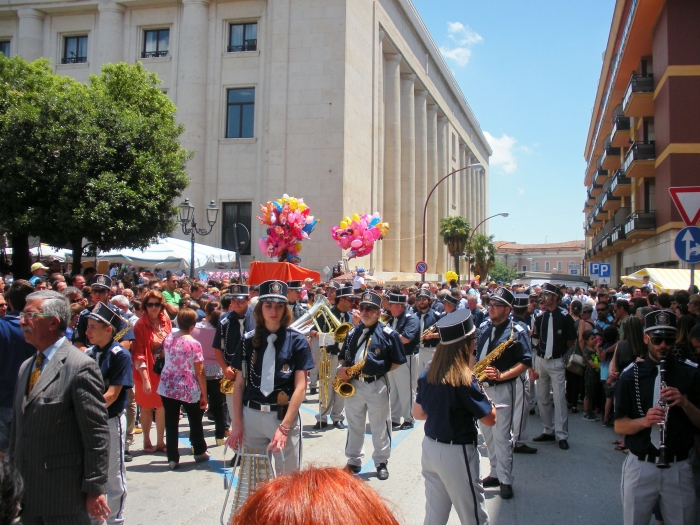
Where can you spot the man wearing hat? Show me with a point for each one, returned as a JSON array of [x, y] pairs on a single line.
[[500, 384], [448, 302], [638, 417], [358, 282], [381, 350], [38, 272], [522, 403], [342, 310], [232, 325], [428, 317], [407, 325], [294, 289], [553, 334], [337, 270], [103, 323]]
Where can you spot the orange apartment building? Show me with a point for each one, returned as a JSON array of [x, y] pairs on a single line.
[[644, 135]]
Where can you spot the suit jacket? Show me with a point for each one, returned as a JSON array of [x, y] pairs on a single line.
[[59, 439]]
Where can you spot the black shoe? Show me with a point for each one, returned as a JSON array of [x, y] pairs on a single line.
[[339, 425], [233, 460], [382, 472], [544, 437], [406, 425], [532, 411], [490, 481], [312, 391], [524, 449], [353, 469], [506, 491], [395, 426], [563, 444], [320, 424], [127, 457]]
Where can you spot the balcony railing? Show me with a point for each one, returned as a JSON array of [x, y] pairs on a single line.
[[619, 180], [639, 151], [618, 234], [248, 45], [621, 123], [154, 54], [73, 60], [638, 84], [640, 221]]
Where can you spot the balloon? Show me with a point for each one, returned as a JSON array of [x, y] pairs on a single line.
[[289, 222], [356, 243], [359, 233]]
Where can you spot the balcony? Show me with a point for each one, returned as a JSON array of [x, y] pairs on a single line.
[[247, 45], [639, 160], [154, 54], [599, 176], [611, 158], [73, 60], [598, 216], [639, 97], [618, 239], [620, 134], [640, 225], [593, 191], [610, 203], [621, 186]]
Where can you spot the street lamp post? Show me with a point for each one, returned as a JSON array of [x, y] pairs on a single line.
[[187, 217], [425, 207], [469, 246]]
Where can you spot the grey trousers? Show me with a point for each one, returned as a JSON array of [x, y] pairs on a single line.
[[643, 483], [555, 419], [499, 438], [258, 430], [313, 373], [336, 403], [425, 355], [451, 474], [130, 416], [530, 393], [116, 472], [402, 391], [521, 411], [370, 399]]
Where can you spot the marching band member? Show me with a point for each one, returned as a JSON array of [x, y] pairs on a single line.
[[521, 409], [449, 303], [266, 403], [384, 353], [428, 317], [450, 400], [294, 289], [407, 325], [500, 385]]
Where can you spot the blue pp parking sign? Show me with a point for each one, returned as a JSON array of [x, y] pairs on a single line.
[[593, 268], [604, 270]]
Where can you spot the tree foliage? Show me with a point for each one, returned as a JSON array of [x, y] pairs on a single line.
[[100, 161], [482, 254], [502, 272], [455, 231]]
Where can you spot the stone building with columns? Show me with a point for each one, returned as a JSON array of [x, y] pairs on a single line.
[[346, 103]]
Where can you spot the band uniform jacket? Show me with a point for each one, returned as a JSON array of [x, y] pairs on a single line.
[[59, 440]]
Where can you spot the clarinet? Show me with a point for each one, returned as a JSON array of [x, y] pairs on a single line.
[[663, 460]]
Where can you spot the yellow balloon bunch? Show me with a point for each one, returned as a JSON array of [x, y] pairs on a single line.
[[294, 203], [451, 276]]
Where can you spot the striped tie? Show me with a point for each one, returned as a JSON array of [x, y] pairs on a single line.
[[34, 378]]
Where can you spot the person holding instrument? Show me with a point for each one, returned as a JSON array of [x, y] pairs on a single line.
[[638, 393], [450, 400], [266, 402]]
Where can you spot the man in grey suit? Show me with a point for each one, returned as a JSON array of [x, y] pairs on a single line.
[[59, 435]]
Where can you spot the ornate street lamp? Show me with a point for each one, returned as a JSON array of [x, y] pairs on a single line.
[[187, 218]]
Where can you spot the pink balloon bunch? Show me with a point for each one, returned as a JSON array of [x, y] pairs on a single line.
[[288, 222], [359, 233]]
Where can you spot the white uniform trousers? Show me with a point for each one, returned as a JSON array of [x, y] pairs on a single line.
[[369, 399], [552, 377], [530, 393], [451, 474], [336, 403], [313, 373], [116, 472], [425, 355], [521, 412], [258, 430], [499, 438], [643, 483], [402, 391]]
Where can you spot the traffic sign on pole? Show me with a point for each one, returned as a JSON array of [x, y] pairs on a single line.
[[593, 268], [604, 270], [687, 200], [687, 244], [421, 267]]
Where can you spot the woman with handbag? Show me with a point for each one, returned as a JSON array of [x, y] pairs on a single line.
[[149, 332], [574, 381]]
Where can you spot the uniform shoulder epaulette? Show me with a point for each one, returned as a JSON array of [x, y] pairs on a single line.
[[249, 335], [518, 328], [628, 367], [117, 348], [689, 362], [388, 330], [564, 311], [484, 324]]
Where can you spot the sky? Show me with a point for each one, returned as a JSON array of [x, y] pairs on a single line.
[[529, 71]]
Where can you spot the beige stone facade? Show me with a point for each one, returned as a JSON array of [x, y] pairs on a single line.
[[354, 107]]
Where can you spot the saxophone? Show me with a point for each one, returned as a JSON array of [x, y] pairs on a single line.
[[479, 369], [345, 388]]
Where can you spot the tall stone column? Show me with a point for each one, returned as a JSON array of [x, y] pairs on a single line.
[[392, 162], [191, 94], [485, 197], [421, 168], [479, 199], [110, 42], [443, 206], [408, 173], [30, 40], [462, 186], [470, 192], [377, 256], [432, 242]]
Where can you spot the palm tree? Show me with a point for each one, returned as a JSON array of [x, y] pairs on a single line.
[[483, 254], [455, 233]]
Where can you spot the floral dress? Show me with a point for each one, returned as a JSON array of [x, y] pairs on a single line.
[[178, 379]]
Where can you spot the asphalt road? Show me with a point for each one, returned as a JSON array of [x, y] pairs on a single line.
[[580, 485]]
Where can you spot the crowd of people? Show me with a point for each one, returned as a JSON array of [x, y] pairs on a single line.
[[133, 349]]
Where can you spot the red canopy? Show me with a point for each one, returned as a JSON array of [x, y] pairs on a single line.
[[281, 271]]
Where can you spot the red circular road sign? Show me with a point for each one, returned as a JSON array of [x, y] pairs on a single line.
[[421, 267]]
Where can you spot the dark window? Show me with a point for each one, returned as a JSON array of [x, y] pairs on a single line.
[[236, 213], [243, 37], [5, 48], [155, 43], [74, 50], [240, 113]]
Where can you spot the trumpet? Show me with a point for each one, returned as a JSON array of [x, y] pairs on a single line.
[[427, 331], [321, 310]]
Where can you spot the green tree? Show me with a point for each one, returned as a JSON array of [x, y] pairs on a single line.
[[502, 272], [455, 231], [482, 254]]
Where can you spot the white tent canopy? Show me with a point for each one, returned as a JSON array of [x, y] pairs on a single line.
[[666, 280], [171, 253]]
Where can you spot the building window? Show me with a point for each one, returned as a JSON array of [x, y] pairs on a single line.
[[243, 37], [74, 50], [559, 266], [5, 48], [240, 113], [537, 266], [524, 268], [156, 43], [236, 213], [546, 266]]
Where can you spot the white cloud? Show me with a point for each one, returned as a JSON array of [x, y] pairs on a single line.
[[462, 38], [521, 191], [503, 156]]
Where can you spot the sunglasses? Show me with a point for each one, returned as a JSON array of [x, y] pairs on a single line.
[[601, 309], [152, 305], [365, 308], [656, 340], [99, 292]]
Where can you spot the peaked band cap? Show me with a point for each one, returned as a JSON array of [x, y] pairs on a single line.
[[104, 313], [397, 298], [521, 300], [451, 300], [345, 291], [550, 288], [503, 295], [660, 321], [455, 326], [294, 285], [273, 291], [239, 290], [101, 281], [371, 298], [424, 292]]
